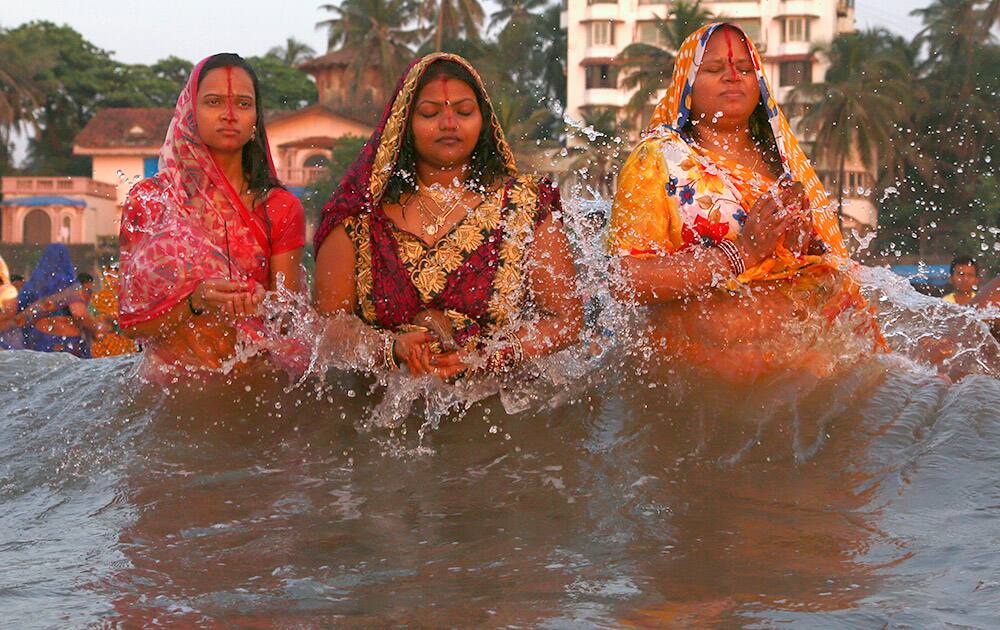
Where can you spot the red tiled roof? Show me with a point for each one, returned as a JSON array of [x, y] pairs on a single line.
[[115, 127]]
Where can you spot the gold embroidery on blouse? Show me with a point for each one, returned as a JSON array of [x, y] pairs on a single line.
[[430, 273], [508, 286], [359, 230]]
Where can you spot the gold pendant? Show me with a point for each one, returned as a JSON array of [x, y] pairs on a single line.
[[431, 230]]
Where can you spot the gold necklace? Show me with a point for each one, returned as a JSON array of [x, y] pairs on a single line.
[[440, 198], [438, 218]]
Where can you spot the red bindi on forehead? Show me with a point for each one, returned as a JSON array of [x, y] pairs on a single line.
[[449, 119], [729, 46], [230, 97]]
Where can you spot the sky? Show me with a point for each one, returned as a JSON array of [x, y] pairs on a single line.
[[144, 31]]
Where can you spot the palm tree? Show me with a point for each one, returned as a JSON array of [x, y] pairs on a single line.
[[548, 55], [453, 19], [513, 11], [647, 68], [21, 95], [293, 52], [523, 120], [953, 32], [855, 111], [377, 32], [603, 154]]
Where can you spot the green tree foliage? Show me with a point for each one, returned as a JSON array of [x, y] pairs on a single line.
[[21, 93], [378, 32], [853, 110], [646, 68], [77, 81], [293, 52], [282, 86], [938, 184], [453, 20]]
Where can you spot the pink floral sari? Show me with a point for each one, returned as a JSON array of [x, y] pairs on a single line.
[[185, 224]]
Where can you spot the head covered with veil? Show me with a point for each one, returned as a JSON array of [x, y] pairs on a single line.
[[708, 195]]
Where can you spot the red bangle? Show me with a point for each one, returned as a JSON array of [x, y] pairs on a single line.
[[736, 262]]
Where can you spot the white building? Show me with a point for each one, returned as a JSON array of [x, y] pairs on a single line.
[[785, 32]]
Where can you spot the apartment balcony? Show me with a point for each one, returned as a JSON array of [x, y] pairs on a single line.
[[790, 49], [601, 52], [604, 97], [797, 8], [596, 10], [845, 8], [45, 186]]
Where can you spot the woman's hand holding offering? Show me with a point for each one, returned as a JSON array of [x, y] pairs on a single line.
[[800, 231], [237, 299], [414, 349], [765, 226]]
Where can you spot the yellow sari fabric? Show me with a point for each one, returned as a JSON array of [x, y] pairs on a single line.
[[648, 219], [673, 194], [105, 305]]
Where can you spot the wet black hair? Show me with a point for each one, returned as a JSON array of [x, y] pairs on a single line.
[[962, 259], [16, 277], [486, 165], [256, 162], [83, 277]]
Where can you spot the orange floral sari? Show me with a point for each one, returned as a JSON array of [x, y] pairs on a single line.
[[788, 312]]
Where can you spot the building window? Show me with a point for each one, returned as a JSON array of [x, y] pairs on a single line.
[[795, 29], [795, 73], [150, 166], [64, 233], [602, 1], [649, 32], [654, 1], [602, 76], [750, 26], [601, 34]]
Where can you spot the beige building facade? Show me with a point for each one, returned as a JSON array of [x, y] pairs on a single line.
[[69, 210], [786, 33]]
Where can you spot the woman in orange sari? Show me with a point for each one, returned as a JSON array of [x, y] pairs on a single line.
[[723, 228]]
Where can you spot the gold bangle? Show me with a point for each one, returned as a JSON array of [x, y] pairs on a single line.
[[389, 352], [516, 346]]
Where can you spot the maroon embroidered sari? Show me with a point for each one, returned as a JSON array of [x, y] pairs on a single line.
[[475, 272]]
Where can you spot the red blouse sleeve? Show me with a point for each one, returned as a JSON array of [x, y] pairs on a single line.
[[288, 222], [549, 201]]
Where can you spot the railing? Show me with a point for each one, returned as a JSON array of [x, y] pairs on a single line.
[[40, 186], [303, 176]]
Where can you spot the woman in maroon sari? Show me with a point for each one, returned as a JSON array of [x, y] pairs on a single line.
[[436, 243]]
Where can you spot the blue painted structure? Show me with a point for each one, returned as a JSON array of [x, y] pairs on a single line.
[[43, 201]]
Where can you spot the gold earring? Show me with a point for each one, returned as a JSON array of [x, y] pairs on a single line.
[[253, 133]]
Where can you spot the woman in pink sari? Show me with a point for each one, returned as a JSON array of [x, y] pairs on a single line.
[[205, 238]]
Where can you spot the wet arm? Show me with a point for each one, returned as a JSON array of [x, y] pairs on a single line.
[[658, 279], [84, 319], [552, 282], [289, 265]]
